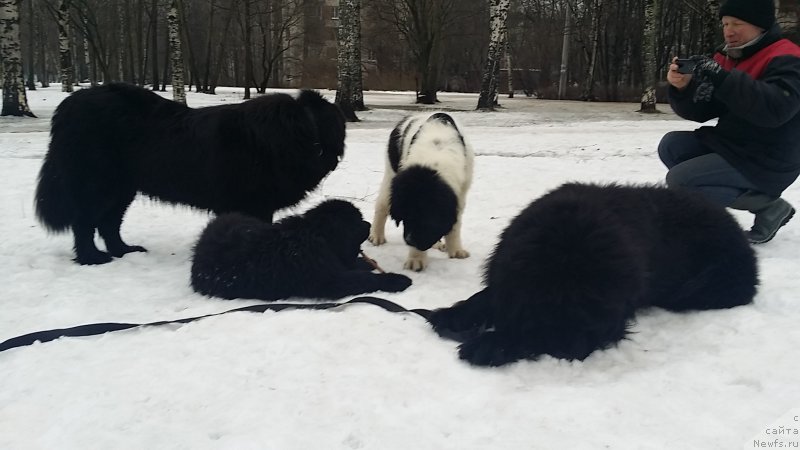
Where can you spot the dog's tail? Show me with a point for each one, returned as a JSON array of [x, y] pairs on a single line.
[[54, 205]]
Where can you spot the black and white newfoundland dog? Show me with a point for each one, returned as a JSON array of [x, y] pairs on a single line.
[[571, 269], [425, 183], [314, 255], [110, 142]]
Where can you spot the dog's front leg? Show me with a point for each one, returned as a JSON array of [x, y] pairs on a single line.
[[417, 260], [452, 242]]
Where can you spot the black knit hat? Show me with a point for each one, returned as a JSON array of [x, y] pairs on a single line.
[[760, 13]]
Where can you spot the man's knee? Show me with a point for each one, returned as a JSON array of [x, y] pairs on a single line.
[[666, 146], [677, 178]]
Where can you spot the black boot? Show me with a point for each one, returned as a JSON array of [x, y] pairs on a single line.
[[771, 214]]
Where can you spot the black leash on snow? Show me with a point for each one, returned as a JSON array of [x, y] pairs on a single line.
[[100, 328]]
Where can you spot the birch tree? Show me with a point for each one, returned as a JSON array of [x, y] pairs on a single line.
[[648, 103], [498, 18], [15, 100], [176, 57], [349, 87], [66, 67], [565, 49]]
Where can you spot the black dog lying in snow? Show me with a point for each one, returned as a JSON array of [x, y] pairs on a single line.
[[571, 269], [315, 255]]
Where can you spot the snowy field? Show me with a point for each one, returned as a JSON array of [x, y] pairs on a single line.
[[360, 377]]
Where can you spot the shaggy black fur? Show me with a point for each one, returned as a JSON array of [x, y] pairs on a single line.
[[112, 141], [315, 255], [571, 269], [425, 205]]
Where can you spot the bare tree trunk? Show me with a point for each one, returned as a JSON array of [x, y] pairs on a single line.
[[165, 74], [141, 51], [88, 62], [174, 23], [15, 100], [425, 25], [710, 26], [121, 40], [498, 17], [221, 51], [594, 36], [248, 50], [134, 52], [186, 36], [64, 47], [648, 104], [44, 75], [154, 42], [207, 65], [562, 80], [31, 84], [349, 88], [508, 67]]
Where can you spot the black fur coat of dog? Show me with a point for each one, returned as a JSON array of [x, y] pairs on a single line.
[[315, 255], [571, 269], [110, 142]]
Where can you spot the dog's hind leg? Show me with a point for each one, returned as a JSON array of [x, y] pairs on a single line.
[[86, 252], [465, 319], [109, 225]]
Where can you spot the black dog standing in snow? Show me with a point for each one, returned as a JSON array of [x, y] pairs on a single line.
[[571, 269], [315, 255], [110, 142]]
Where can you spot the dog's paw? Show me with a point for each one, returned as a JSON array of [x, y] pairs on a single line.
[[394, 282], [416, 263], [449, 324], [125, 249], [376, 238], [93, 258], [488, 349], [459, 253]]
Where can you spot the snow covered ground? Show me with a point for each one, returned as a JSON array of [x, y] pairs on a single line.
[[360, 377]]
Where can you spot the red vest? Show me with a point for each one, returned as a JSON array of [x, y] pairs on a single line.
[[755, 65]]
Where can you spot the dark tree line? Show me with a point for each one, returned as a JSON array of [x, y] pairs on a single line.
[[615, 49]]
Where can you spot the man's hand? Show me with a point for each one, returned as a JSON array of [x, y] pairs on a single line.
[[676, 79]]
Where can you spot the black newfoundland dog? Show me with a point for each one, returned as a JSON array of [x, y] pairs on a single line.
[[112, 141], [572, 268], [315, 255]]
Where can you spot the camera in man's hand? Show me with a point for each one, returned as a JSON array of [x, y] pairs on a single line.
[[686, 65]]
